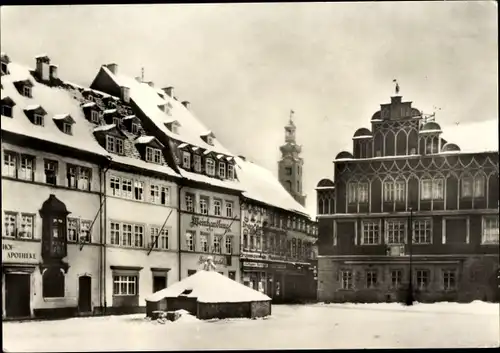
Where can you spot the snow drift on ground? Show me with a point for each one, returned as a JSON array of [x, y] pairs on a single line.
[[210, 287], [320, 326]]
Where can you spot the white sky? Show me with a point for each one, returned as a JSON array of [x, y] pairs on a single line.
[[244, 66]]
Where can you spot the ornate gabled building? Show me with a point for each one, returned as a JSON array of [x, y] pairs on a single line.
[[290, 165], [278, 245], [407, 176], [208, 192]]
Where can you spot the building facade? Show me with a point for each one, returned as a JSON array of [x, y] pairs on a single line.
[[208, 192], [51, 180], [140, 206], [404, 178]]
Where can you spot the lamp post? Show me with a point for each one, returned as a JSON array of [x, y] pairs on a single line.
[[409, 296]]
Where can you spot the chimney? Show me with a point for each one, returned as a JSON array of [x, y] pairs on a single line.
[[169, 91], [125, 91], [42, 67], [113, 68], [243, 157], [186, 104], [151, 83], [53, 72]]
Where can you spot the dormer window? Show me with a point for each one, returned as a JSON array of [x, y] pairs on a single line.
[[94, 116], [7, 105], [186, 160], [27, 91], [36, 114], [210, 166], [5, 70], [230, 171], [37, 119], [116, 121], [173, 126], [153, 155], [64, 122], [135, 128], [222, 170], [114, 144], [208, 138], [197, 163]]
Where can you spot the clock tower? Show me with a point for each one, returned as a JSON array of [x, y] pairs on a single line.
[[290, 164]]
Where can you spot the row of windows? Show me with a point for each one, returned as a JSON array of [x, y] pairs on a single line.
[[277, 244], [210, 243], [421, 279], [133, 235], [22, 166], [135, 189], [205, 205], [224, 170], [395, 191], [396, 231]]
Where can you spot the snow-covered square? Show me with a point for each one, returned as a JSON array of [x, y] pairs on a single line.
[[440, 325]]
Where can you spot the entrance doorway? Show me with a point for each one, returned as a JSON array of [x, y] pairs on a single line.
[[85, 294], [159, 283], [17, 295]]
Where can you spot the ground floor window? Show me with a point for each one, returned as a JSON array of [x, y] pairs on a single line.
[[449, 279], [422, 279], [124, 285], [396, 278], [53, 283], [346, 279], [371, 279]]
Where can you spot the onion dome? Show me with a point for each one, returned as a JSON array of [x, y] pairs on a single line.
[[362, 133], [450, 147], [376, 116], [430, 126], [344, 155], [325, 183]]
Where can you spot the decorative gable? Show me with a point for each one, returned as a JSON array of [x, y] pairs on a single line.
[[208, 137], [24, 87], [64, 122], [36, 114], [7, 105]]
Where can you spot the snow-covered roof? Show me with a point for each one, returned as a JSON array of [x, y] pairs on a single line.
[[104, 127], [210, 287], [477, 136], [144, 139], [54, 101], [88, 105], [61, 116], [109, 111], [148, 100], [362, 137], [201, 178], [32, 107], [261, 185], [139, 163]]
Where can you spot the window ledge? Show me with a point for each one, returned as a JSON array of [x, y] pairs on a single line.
[[55, 299], [21, 239], [492, 243], [49, 185]]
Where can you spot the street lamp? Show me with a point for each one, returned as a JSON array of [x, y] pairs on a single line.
[[409, 296]]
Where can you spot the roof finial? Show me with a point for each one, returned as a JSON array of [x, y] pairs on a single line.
[[397, 86], [142, 74], [291, 116]]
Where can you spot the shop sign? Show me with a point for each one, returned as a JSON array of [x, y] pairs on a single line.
[[278, 266], [19, 252], [217, 260], [254, 264], [247, 255], [210, 224]]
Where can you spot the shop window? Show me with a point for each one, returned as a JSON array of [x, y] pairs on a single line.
[[53, 283]]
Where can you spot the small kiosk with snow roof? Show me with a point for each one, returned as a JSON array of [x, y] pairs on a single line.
[[208, 294]]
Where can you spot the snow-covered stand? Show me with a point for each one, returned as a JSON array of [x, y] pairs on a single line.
[[208, 295]]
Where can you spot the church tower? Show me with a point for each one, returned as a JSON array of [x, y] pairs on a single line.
[[290, 164]]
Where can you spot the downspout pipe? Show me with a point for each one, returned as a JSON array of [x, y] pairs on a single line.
[[104, 226], [179, 231]]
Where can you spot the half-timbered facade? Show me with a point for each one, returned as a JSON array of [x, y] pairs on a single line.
[[407, 176]]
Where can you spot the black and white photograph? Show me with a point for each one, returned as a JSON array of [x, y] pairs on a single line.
[[250, 176]]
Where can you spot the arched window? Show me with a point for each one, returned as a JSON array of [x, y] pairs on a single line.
[[389, 143], [294, 247], [299, 248]]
